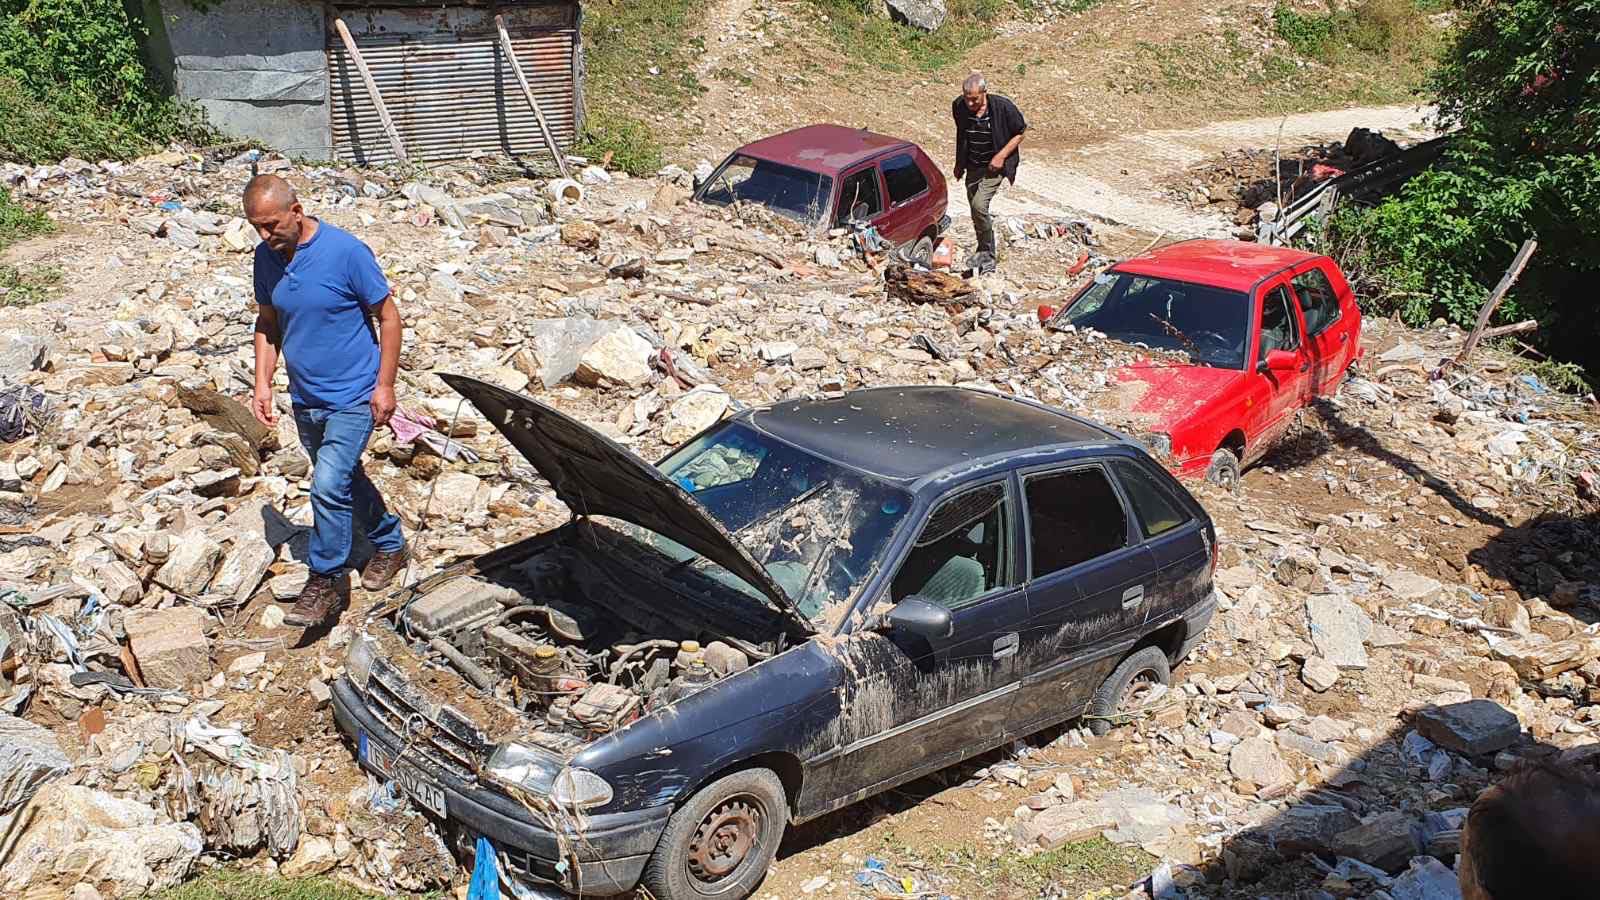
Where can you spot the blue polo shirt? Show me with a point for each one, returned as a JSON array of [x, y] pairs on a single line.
[[321, 297]]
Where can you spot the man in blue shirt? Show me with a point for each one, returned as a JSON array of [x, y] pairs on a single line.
[[316, 286]]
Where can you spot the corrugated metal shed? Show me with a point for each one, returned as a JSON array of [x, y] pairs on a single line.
[[446, 83]]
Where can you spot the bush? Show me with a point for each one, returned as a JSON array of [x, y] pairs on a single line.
[[73, 81], [18, 221], [1522, 82]]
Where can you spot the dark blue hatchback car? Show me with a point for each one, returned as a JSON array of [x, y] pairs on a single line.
[[802, 606]]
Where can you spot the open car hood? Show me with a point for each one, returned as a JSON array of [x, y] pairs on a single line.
[[594, 475]]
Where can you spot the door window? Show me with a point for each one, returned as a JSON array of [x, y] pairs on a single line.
[[862, 187], [904, 178], [1317, 300], [1153, 504], [1278, 328], [963, 552], [1073, 517]]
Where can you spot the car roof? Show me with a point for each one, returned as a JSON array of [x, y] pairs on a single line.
[[1235, 265], [829, 149], [908, 433]]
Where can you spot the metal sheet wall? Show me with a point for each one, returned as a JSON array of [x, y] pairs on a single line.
[[446, 83]]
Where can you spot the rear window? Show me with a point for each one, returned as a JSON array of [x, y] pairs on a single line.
[[904, 177], [787, 190], [1073, 517], [1208, 323], [1157, 509]]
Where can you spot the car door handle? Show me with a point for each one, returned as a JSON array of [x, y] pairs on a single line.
[[1133, 596], [1344, 337], [1005, 645]]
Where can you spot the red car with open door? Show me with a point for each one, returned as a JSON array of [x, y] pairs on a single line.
[[1266, 330], [829, 176]]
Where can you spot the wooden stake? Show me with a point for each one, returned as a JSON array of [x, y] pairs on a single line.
[[395, 144], [1498, 294], [527, 94], [1503, 330]]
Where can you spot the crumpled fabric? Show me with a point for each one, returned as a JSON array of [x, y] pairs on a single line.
[[410, 426], [22, 409]]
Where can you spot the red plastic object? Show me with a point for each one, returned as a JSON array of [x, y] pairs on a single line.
[[1077, 267], [1045, 312]]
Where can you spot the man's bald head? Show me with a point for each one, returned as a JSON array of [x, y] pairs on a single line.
[[275, 213], [268, 193]]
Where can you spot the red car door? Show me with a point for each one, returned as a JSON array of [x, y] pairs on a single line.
[[862, 186], [911, 197], [1332, 330], [1286, 389]]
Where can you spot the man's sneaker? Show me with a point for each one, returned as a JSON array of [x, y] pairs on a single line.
[[383, 567], [322, 596]]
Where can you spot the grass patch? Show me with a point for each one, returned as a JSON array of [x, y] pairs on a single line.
[[624, 40], [1364, 31], [873, 39], [19, 288], [1093, 860], [18, 222], [232, 884]]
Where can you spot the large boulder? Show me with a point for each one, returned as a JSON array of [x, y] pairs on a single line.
[[29, 757], [77, 835], [170, 645], [1475, 727], [620, 358], [927, 15]]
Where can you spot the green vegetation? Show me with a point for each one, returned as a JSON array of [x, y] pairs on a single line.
[[871, 38], [1521, 81], [19, 288], [232, 884], [623, 40], [73, 82], [18, 221], [1095, 860], [1365, 27]]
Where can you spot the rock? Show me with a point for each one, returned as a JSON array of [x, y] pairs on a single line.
[[455, 495], [1280, 714], [170, 645], [224, 412], [1257, 761], [272, 616], [77, 835], [828, 256], [240, 236], [157, 547], [248, 664], [809, 358], [1387, 841], [1541, 662], [1336, 627], [1323, 728], [190, 566], [1066, 824], [559, 344], [1250, 620], [1427, 879], [1409, 587], [289, 585], [492, 209], [694, 412], [1319, 674], [1474, 728], [82, 891], [581, 235], [674, 255], [927, 15], [1296, 566], [319, 691], [314, 856], [1311, 748], [774, 351], [1248, 860], [1240, 724], [29, 757], [620, 358], [21, 354], [117, 582], [243, 568], [1309, 827]]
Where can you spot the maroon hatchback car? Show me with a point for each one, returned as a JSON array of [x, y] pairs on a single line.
[[828, 176]]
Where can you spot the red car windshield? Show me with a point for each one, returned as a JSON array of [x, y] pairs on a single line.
[[786, 190], [1210, 324]]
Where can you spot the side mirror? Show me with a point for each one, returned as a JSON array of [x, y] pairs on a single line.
[[1281, 361], [915, 615]]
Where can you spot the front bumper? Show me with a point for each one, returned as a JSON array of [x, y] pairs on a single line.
[[611, 851]]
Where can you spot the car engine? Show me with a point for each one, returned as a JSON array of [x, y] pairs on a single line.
[[533, 635]]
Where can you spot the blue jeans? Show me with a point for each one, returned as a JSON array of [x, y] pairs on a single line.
[[341, 492]]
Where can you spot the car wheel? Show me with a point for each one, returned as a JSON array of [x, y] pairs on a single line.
[[720, 843], [1121, 689], [1224, 469], [922, 252]]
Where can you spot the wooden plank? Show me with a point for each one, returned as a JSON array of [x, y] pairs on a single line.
[[1519, 328], [395, 144], [527, 94], [1499, 293]]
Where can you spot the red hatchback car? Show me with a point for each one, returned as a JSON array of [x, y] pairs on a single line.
[[1266, 331], [828, 176]]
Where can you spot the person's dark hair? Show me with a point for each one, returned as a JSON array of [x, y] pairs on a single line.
[[1535, 834]]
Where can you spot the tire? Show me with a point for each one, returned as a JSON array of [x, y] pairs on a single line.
[[1224, 469], [699, 854], [921, 252], [1146, 665]]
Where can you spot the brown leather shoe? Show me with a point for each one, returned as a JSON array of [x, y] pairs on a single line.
[[383, 567], [322, 597]]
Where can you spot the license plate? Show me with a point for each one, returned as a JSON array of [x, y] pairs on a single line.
[[411, 781]]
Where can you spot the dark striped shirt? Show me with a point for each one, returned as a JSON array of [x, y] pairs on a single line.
[[980, 141]]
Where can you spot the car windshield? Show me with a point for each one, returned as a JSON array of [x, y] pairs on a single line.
[[792, 192], [1210, 324], [817, 527]]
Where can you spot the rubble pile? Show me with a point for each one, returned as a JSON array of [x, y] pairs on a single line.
[[1404, 593]]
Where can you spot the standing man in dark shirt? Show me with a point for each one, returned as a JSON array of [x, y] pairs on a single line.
[[989, 130], [316, 285]]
